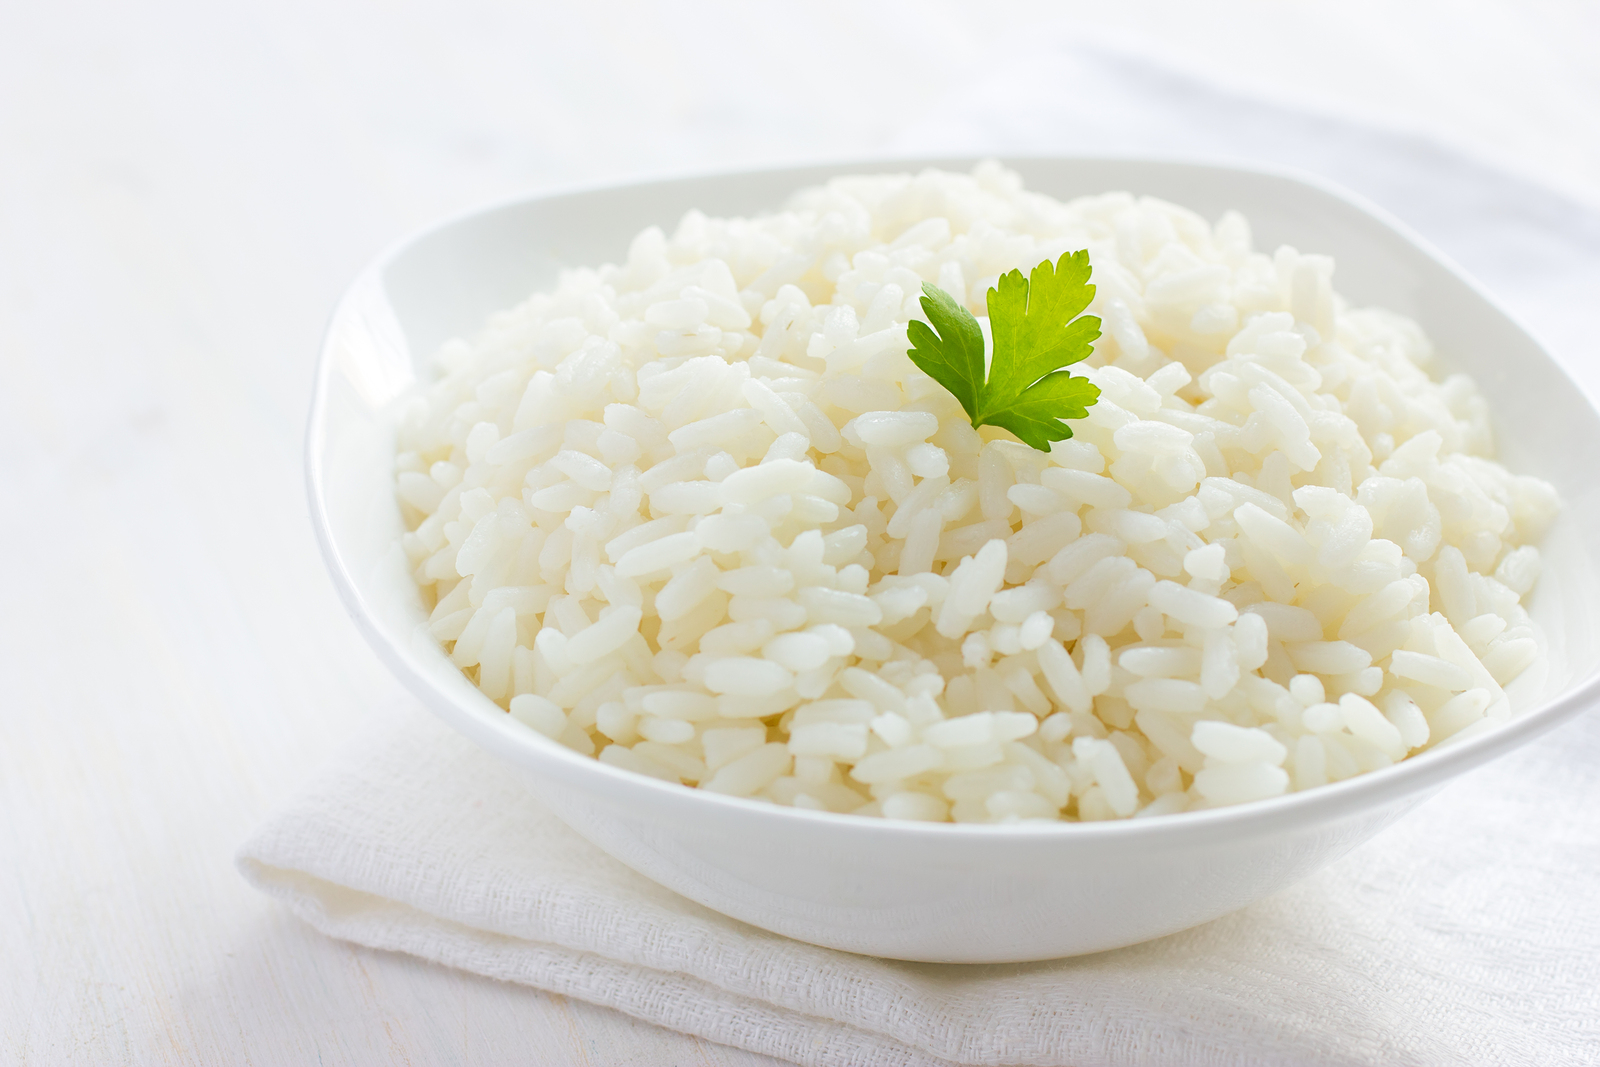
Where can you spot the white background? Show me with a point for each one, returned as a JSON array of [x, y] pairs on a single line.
[[184, 191]]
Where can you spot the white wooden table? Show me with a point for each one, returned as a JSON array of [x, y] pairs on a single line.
[[184, 190]]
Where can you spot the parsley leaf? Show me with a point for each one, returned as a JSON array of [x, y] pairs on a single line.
[[1038, 328]]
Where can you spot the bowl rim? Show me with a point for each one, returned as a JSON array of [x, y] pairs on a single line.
[[1419, 774]]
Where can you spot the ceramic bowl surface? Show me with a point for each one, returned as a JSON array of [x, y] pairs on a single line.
[[935, 892]]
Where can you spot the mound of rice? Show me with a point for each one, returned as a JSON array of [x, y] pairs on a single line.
[[697, 514]]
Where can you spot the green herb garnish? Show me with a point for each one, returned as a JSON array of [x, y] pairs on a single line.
[[1038, 328]]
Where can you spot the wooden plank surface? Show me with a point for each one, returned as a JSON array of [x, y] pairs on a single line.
[[184, 190]]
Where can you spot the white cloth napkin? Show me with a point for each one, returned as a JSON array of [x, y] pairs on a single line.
[[1467, 933]]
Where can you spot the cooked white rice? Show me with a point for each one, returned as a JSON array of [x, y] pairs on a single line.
[[699, 515]]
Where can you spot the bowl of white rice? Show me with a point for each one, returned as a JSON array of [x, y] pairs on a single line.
[[639, 488]]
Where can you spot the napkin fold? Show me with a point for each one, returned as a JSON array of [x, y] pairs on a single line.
[[1467, 933]]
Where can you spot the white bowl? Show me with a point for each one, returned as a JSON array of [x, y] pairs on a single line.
[[947, 893]]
